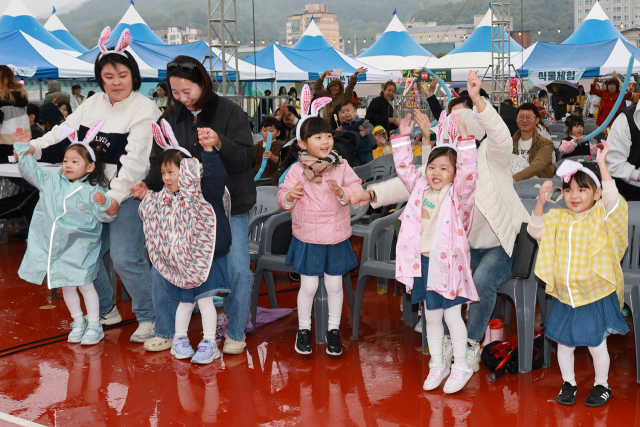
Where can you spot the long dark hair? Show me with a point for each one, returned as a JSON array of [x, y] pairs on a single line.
[[98, 176], [197, 75]]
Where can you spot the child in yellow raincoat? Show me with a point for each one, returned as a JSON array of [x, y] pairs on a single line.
[[579, 260]]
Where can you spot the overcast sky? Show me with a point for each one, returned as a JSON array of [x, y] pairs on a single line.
[[41, 7]]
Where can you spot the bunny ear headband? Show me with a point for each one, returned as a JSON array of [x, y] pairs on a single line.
[[305, 103], [452, 130], [168, 133], [123, 42], [72, 134], [568, 168]]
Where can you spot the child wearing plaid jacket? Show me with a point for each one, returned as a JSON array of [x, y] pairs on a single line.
[[579, 260]]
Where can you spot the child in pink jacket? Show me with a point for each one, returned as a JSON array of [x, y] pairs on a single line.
[[432, 255], [316, 191]]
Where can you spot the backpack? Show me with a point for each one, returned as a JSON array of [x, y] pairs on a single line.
[[346, 145]]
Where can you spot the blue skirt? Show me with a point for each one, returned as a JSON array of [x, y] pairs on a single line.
[[310, 259], [216, 283], [587, 325], [433, 299]]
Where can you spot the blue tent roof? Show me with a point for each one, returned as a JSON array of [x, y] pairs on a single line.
[[18, 18], [480, 39], [57, 28], [312, 39], [395, 41], [139, 29], [596, 28]]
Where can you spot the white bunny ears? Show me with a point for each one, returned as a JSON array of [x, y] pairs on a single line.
[[168, 133], [305, 103], [123, 42], [568, 168], [452, 130], [72, 134]]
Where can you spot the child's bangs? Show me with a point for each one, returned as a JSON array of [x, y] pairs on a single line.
[[314, 126], [582, 179], [444, 151]]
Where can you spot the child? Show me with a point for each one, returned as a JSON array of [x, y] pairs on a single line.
[[351, 122], [436, 221], [64, 236], [579, 259], [573, 143], [268, 124], [195, 222], [380, 134], [316, 191]]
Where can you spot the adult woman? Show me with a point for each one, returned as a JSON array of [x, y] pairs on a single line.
[[290, 119], [13, 110], [608, 98], [65, 109], [126, 139], [336, 91], [539, 102], [195, 112], [498, 213], [162, 90], [380, 111], [282, 91]]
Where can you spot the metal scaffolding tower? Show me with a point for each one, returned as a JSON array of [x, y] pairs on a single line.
[[500, 51], [223, 34]]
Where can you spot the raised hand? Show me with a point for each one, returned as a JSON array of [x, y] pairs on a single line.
[[473, 85], [208, 138], [361, 70], [326, 73], [432, 87], [596, 79], [423, 121], [603, 150], [333, 185], [406, 124], [20, 135], [296, 192], [545, 189], [99, 198]]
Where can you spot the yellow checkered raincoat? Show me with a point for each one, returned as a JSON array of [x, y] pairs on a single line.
[[579, 257]]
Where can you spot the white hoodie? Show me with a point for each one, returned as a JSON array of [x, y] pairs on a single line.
[[126, 137]]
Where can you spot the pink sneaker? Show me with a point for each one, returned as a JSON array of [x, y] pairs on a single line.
[[437, 373], [458, 378]]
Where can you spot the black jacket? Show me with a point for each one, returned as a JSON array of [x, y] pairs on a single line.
[[214, 178], [236, 152], [379, 112]]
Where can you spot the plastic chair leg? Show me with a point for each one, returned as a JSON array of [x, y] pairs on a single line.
[[497, 310], [271, 288], [508, 306], [255, 294], [357, 306], [634, 305], [525, 301], [409, 311], [348, 287], [321, 312]]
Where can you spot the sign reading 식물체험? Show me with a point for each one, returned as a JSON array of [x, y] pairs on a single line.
[[552, 75]]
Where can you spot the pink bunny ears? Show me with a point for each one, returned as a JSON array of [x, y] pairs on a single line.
[[123, 42], [452, 130], [568, 168], [305, 104], [72, 134], [166, 131]]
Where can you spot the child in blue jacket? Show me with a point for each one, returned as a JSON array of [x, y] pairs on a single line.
[[351, 122], [64, 235]]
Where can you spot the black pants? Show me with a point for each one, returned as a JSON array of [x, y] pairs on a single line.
[[631, 193]]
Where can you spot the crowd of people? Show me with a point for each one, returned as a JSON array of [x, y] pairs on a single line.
[[183, 202]]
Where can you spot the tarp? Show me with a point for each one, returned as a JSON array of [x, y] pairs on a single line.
[[33, 58], [17, 17], [596, 28], [309, 58], [395, 50], [139, 29], [57, 28], [474, 53], [152, 60]]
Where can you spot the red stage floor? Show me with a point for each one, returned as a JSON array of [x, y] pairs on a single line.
[[376, 382]]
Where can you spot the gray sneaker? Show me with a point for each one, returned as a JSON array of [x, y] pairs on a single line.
[[144, 332], [77, 331], [207, 352], [111, 318]]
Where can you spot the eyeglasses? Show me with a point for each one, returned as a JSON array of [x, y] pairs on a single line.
[[186, 67], [525, 118]]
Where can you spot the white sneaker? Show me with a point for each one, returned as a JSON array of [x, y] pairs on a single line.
[[473, 354], [111, 318], [447, 351], [459, 377], [437, 373], [144, 332], [418, 327]]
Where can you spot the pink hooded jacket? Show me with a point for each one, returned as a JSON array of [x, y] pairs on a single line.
[[319, 217], [450, 261]]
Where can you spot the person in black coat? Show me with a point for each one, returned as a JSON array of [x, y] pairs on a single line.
[[196, 113], [380, 111]]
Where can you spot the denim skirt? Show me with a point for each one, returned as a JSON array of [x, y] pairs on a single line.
[[587, 325], [310, 259], [216, 283], [432, 299]]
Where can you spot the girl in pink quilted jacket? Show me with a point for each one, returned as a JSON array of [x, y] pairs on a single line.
[[316, 191], [188, 236], [432, 254]]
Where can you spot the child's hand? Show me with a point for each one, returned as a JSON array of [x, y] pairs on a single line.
[[603, 150], [338, 128], [267, 155], [20, 135], [462, 126], [333, 185], [99, 198], [359, 198], [406, 124], [361, 127], [545, 189], [362, 134], [423, 121], [139, 190], [208, 138], [296, 192]]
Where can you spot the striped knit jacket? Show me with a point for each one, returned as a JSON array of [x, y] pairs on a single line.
[[13, 115]]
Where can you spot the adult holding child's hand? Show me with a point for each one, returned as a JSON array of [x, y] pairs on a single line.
[[209, 125]]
